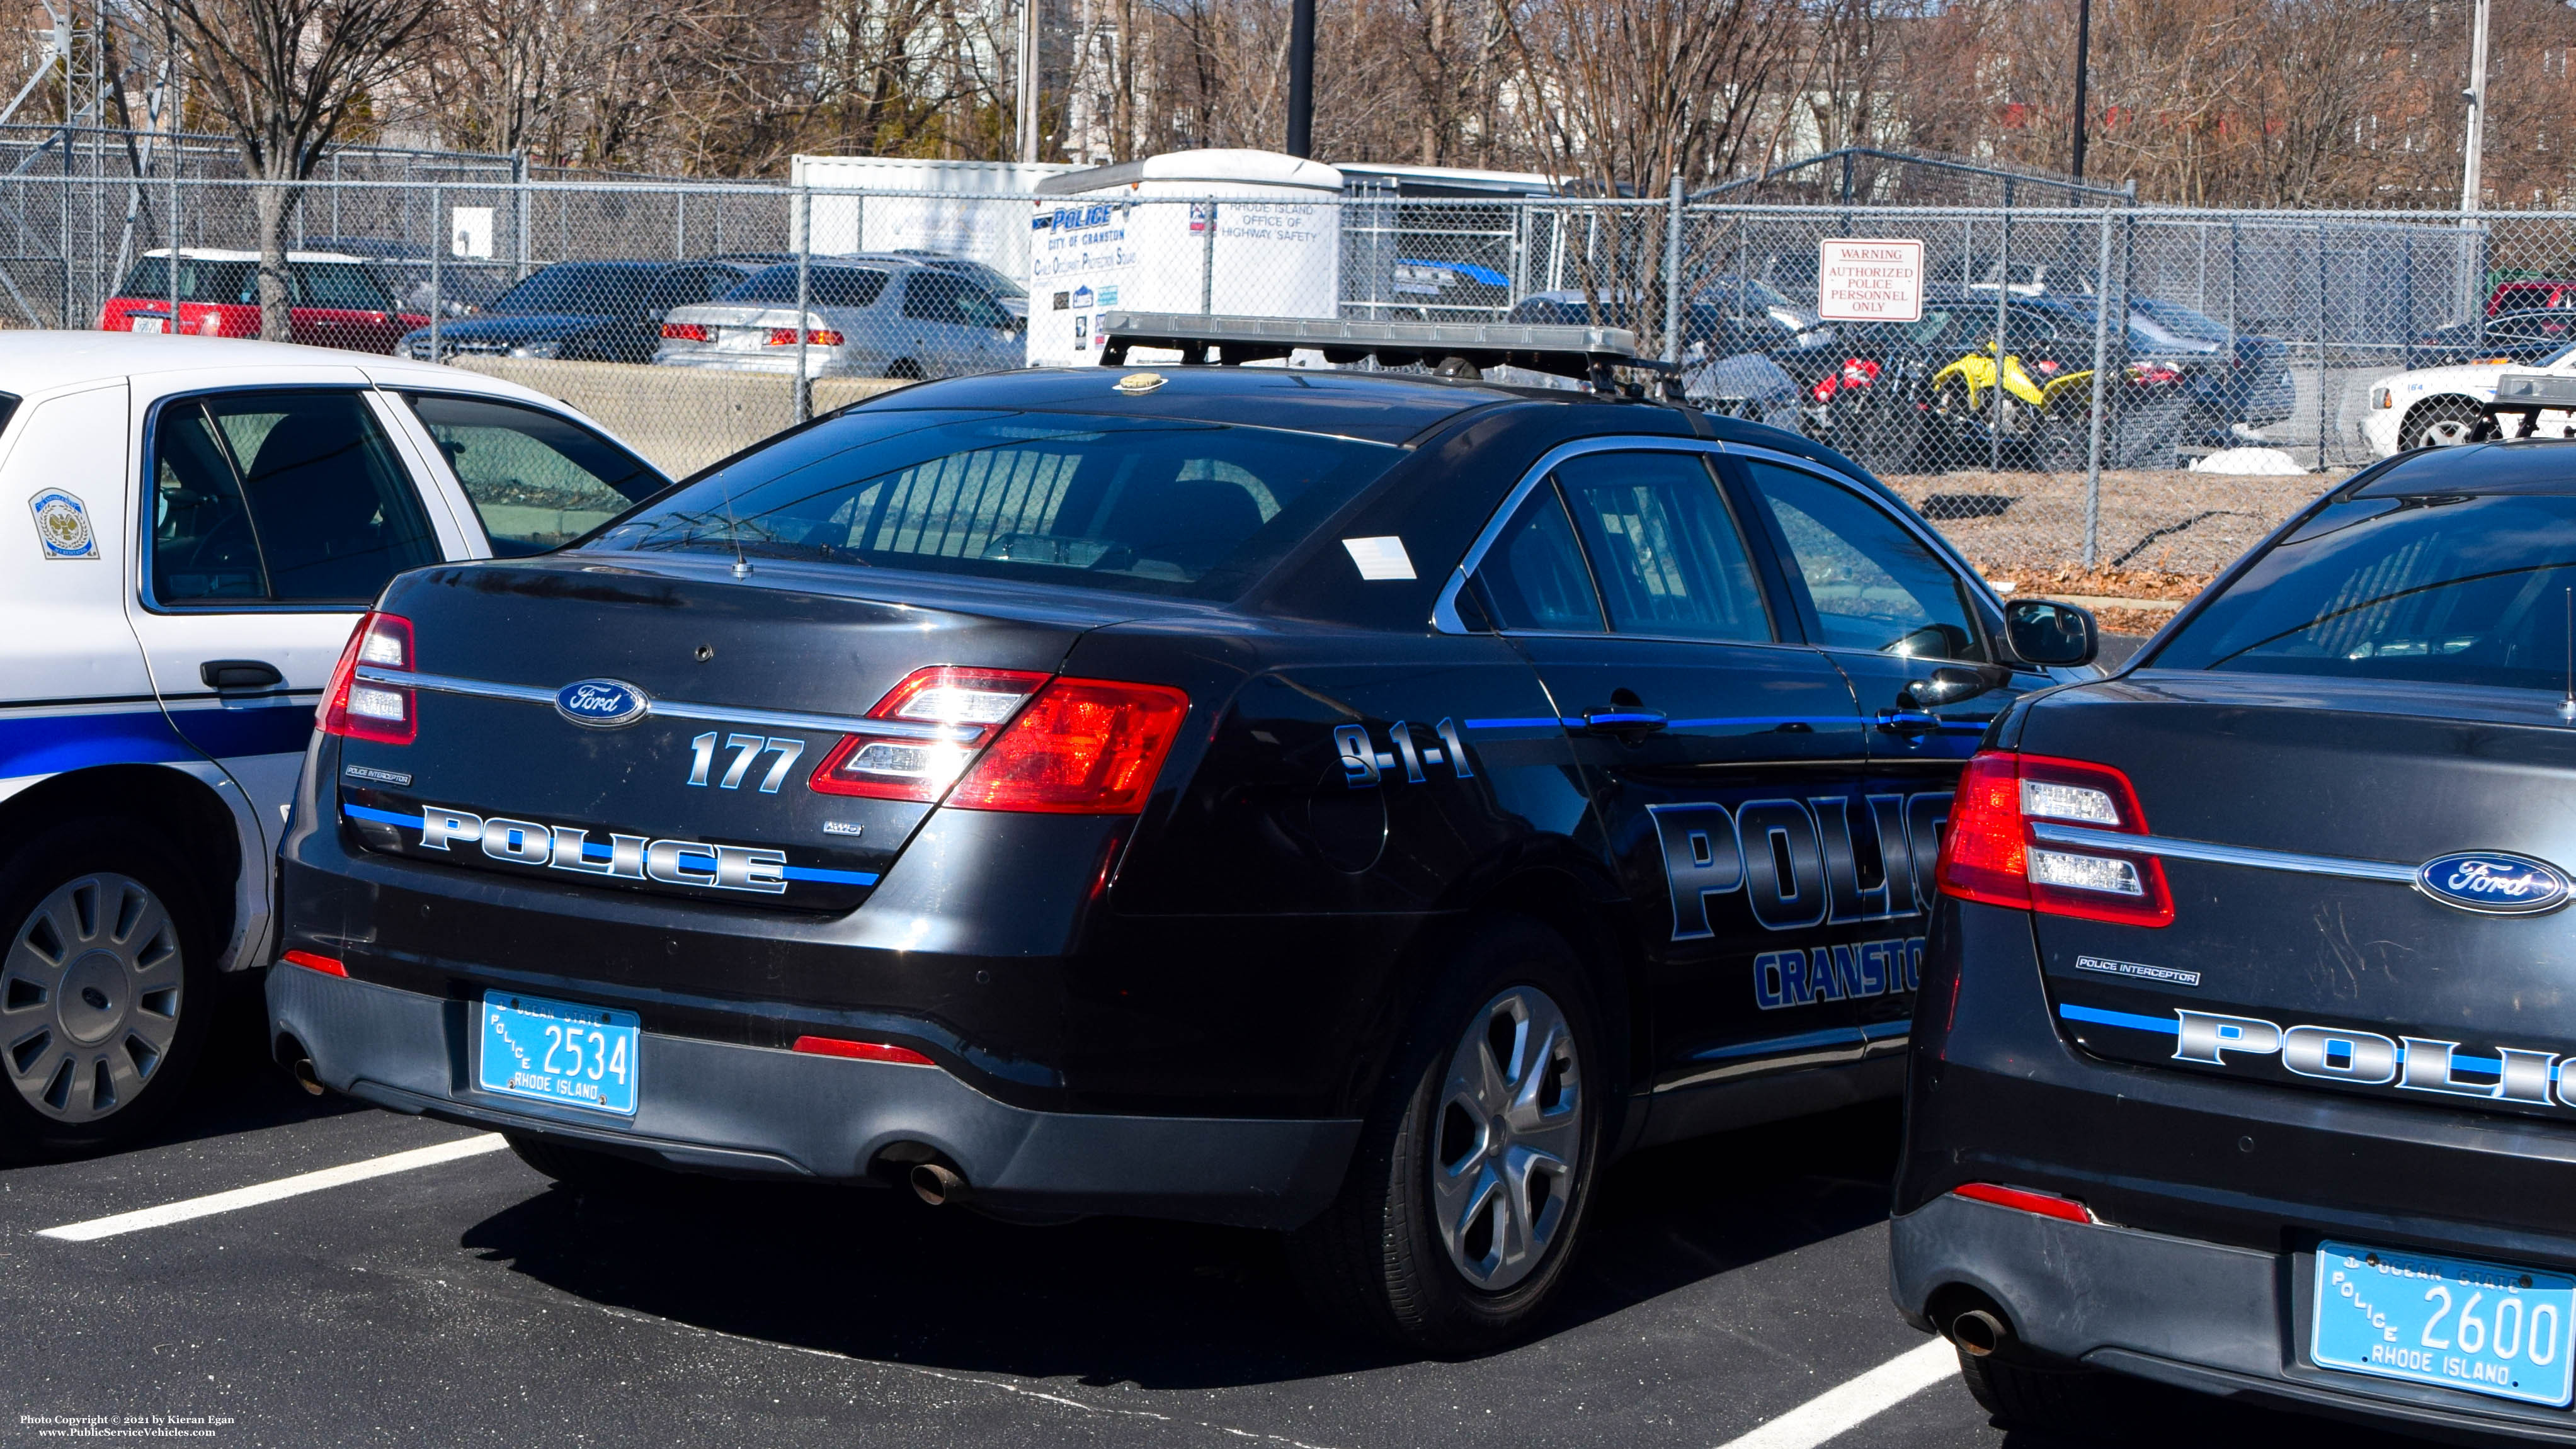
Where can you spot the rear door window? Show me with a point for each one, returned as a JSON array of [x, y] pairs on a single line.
[[1664, 549], [339, 286], [279, 497], [537, 480]]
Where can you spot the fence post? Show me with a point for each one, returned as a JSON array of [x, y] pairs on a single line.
[[519, 216], [804, 286], [437, 250], [2101, 349], [2003, 294], [1207, 263], [1673, 274], [2320, 315], [173, 323]]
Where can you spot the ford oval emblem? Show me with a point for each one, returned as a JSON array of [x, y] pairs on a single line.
[[602, 704], [2493, 881]]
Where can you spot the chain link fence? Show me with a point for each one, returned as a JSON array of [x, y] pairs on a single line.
[[2099, 393]]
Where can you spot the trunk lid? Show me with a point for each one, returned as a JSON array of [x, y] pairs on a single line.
[[704, 791], [2304, 951]]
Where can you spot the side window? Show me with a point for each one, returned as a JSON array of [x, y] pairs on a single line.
[[1873, 585], [1534, 576], [930, 296], [279, 497], [537, 480], [345, 286], [1664, 548]]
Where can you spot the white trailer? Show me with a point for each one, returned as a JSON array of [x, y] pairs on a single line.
[[970, 209], [1223, 232]]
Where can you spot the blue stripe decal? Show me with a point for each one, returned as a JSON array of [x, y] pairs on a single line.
[[1774, 720], [2129, 1019], [50, 744], [226, 734], [381, 817], [1545, 721], [835, 877]]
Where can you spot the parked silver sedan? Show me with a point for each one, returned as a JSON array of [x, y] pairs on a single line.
[[865, 316]]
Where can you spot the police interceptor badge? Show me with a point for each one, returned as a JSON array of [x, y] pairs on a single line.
[[62, 525]]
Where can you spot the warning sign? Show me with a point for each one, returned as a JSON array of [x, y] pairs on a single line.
[[1869, 280]]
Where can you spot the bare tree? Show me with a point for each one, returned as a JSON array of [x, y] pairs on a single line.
[[284, 76]]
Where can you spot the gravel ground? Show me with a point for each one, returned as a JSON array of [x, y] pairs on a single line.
[[2163, 520]]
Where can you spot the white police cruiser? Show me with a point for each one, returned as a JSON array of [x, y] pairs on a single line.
[[189, 528]]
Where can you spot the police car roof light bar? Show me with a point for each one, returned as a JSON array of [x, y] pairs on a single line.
[[1452, 349], [2523, 396]]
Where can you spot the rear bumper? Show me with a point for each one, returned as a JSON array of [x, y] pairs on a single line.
[[2220, 1191], [719, 1107], [2198, 1315]]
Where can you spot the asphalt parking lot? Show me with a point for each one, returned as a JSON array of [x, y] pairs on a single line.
[[1725, 1284]]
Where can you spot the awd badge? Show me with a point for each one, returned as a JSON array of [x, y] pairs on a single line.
[[62, 525]]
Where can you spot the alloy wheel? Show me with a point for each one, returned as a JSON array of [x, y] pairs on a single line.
[[1509, 1137], [90, 997]]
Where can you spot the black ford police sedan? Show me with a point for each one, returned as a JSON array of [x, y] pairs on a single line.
[[2248, 1052], [1356, 804]]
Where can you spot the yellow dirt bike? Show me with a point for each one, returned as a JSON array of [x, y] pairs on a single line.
[[2044, 419]]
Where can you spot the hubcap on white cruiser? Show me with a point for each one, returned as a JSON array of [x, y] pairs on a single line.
[[89, 997], [1509, 1133]]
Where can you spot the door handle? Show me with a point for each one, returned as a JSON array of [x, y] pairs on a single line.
[[239, 674], [1908, 721], [1623, 720]]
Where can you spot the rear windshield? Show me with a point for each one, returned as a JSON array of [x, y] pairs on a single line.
[[348, 286], [2445, 589], [1139, 504], [590, 291], [824, 286]]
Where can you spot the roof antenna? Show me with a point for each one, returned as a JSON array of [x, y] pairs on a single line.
[[2567, 706], [742, 566]]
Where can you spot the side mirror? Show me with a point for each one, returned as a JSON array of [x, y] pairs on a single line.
[[2051, 634]]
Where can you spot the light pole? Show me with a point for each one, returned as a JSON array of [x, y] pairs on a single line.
[[2476, 96], [1301, 78], [1028, 96], [2083, 46]]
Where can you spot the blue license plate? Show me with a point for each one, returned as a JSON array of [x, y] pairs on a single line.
[[555, 1051], [2457, 1322]]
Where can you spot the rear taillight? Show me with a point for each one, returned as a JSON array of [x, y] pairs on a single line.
[[369, 707], [814, 337], [1082, 747], [934, 720], [2028, 831], [684, 332], [2022, 1199]]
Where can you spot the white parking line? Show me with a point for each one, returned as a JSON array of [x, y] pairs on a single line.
[[1851, 1404], [264, 1192]]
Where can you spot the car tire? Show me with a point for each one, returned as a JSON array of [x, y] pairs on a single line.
[[1508, 1032], [582, 1169], [2440, 423], [2070, 1399], [107, 986]]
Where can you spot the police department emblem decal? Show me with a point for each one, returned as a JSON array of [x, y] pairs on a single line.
[[62, 525]]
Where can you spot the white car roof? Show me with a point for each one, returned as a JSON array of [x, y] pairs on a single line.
[[219, 254], [36, 362]]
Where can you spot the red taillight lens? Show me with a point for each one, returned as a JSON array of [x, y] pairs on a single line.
[[814, 336], [1995, 852], [863, 1051], [937, 718], [2022, 1199], [370, 709], [311, 962], [684, 332], [1082, 747]]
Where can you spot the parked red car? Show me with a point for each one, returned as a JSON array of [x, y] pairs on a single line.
[[2531, 296], [335, 300]]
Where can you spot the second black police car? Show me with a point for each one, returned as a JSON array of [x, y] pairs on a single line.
[[1353, 804], [2247, 1060]]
